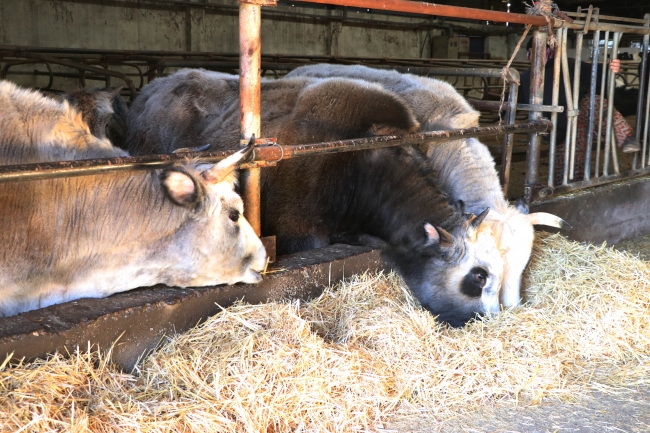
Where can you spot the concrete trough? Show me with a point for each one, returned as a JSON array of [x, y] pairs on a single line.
[[137, 320]]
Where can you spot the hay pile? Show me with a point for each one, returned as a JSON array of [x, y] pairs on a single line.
[[348, 359]]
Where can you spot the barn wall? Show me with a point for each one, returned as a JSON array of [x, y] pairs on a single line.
[[147, 26], [212, 25]]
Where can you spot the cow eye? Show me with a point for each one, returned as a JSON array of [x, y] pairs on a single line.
[[233, 215], [480, 277], [473, 283]]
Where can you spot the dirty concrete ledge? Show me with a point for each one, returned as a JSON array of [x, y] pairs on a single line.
[[139, 319]]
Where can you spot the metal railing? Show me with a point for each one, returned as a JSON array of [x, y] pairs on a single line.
[[595, 159], [250, 66]]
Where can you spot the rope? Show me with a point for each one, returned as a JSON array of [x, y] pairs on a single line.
[[548, 10]]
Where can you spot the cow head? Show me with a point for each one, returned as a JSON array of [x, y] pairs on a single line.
[[95, 106], [455, 275], [513, 230], [219, 245]]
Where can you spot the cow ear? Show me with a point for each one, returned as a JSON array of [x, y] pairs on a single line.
[[437, 236], [179, 186]]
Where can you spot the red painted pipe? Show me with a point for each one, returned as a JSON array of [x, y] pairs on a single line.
[[423, 8]]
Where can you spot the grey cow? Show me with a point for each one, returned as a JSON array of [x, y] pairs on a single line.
[[92, 236], [465, 169], [382, 197]]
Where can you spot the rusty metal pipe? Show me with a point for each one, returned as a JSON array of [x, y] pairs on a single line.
[[250, 29], [536, 97], [423, 8], [264, 155]]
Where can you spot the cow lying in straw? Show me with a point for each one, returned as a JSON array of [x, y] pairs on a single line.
[[382, 197], [93, 236], [465, 169]]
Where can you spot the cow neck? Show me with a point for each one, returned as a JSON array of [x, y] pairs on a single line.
[[395, 195], [125, 208]]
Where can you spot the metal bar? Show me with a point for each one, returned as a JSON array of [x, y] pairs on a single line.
[[250, 29], [536, 97], [592, 98], [510, 74], [610, 112], [645, 127], [554, 101], [600, 109], [606, 17], [580, 25], [576, 102], [508, 140], [82, 67], [590, 11], [480, 104], [436, 9], [264, 155], [639, 107], [566, 78], [603, 180]]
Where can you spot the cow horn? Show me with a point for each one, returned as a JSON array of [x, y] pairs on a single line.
[[474, 222], [116, 91], [223, 168], [547, 219], [193, 149]]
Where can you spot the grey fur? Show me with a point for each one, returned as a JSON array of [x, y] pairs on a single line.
[[92, 236], [198, 106], [465, 168]]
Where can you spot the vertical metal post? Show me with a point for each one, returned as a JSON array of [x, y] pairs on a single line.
[[250, 59], [592, 97], [576, 102], [536, 97], [639, 107], [506, 154], [555, 100], [566, 79], [600, 109], [645, 127], [610, 111]]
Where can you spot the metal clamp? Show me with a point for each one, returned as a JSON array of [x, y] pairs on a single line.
[[259, 141]]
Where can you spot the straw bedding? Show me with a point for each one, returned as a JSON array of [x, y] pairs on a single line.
[[359, 353]]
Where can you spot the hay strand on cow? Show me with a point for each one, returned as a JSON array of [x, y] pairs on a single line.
[[355, 355]]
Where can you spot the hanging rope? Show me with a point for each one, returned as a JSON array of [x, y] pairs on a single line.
[[548, 10]]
